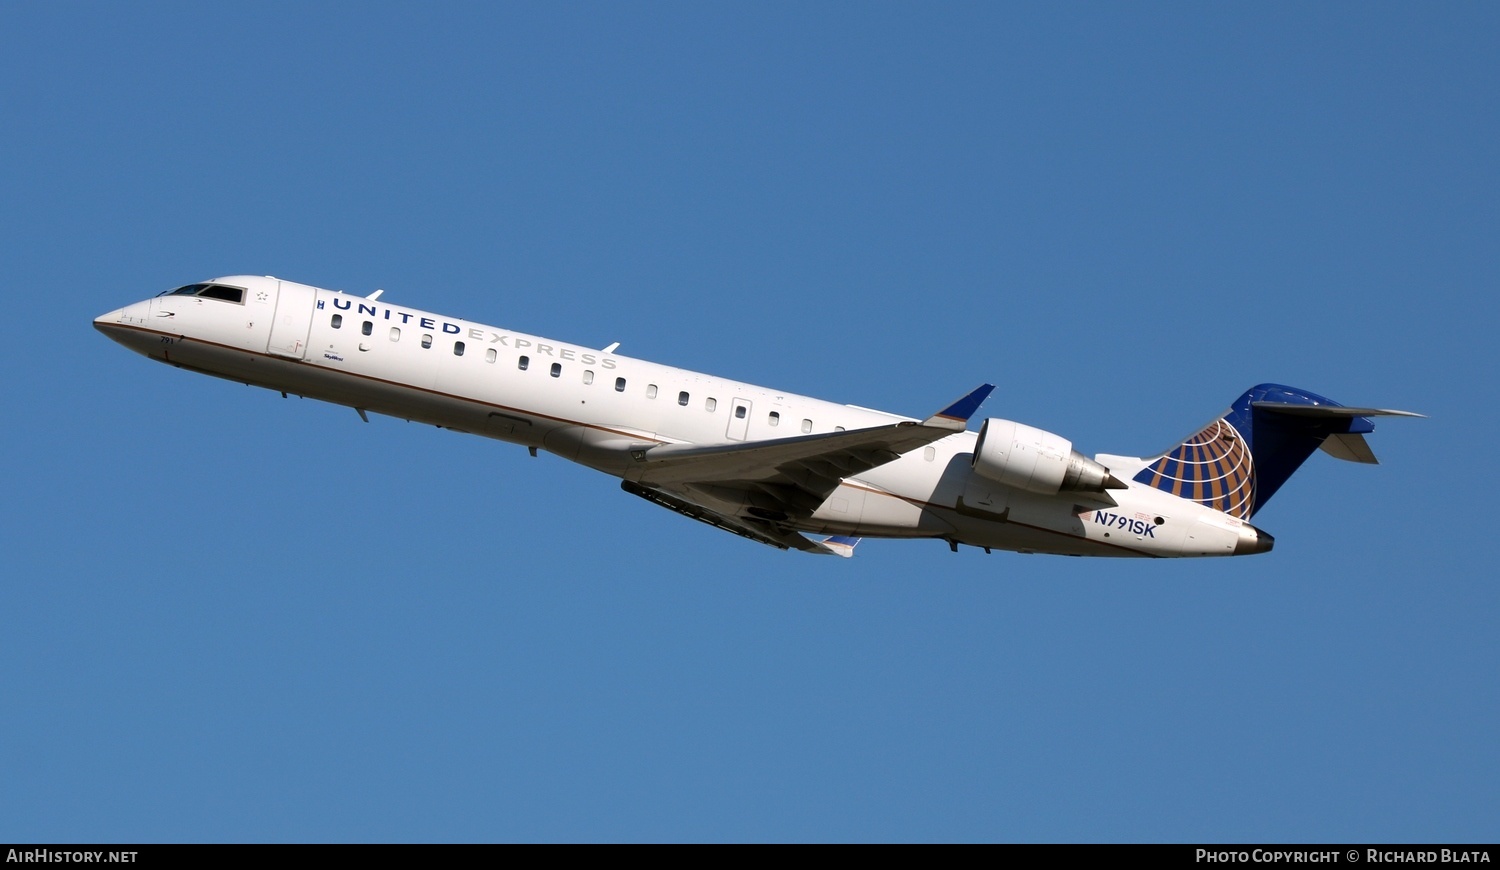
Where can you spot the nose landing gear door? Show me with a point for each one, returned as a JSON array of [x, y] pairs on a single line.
[[293, 321]]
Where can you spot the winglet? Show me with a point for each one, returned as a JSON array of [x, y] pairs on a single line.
[[956, 416], [840, 545]]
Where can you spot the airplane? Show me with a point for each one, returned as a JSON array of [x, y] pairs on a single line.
[[769, 466]]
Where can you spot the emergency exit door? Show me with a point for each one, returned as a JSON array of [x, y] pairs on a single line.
[[739, 419]]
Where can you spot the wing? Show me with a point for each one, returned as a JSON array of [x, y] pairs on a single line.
[[785, 479], [760, 531]]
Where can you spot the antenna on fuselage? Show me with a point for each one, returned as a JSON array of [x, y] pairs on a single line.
[[376, 295], [611, 348]]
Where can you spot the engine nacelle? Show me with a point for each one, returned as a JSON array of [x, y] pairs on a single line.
[[1035, 460]]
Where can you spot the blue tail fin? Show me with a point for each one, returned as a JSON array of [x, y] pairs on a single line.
[[1237, 462]]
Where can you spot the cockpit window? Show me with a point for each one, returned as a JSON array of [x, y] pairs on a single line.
[[189, 290], [210, 291], [228, 294]]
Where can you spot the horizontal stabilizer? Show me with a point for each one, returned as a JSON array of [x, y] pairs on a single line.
[[1351, 447], [1329, 412], [956, 416]]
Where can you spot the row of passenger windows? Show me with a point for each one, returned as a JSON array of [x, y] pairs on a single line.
[[523, 363]]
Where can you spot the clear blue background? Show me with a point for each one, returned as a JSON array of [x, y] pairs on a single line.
[[229, 616]]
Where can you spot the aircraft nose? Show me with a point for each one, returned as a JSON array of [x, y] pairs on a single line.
[[124, 325], [108, 319], [131, 315]]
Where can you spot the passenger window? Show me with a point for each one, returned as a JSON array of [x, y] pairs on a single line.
[[395, 333], [806, 425], [682, 399], [523, 363], [366, 328], [651, 391], [557, 370], [775, 418], [427, 339], [458, 348], [740, 411], [588, 376], [337, 322], [929, 453], [711, 404], [619, 385], [489, 355]]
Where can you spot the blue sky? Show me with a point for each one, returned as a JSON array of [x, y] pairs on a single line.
[[231, 616]]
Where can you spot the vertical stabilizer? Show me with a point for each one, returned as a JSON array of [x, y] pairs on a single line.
[[1238, 461]]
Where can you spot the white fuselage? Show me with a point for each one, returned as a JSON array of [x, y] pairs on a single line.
[[594, 407]]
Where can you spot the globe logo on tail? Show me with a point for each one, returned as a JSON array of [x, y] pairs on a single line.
[[1213, 468]]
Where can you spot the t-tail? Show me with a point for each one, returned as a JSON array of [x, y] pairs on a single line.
[[1238, 461]]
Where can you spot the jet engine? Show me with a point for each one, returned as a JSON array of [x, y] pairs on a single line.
[[1028, 458]]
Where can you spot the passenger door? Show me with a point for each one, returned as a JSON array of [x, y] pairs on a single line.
[[293, 320]]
